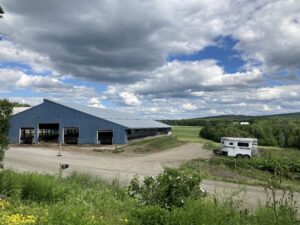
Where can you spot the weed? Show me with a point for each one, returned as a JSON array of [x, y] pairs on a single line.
[[171, 188]]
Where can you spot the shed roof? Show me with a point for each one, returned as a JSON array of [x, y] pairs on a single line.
[[127, 120]]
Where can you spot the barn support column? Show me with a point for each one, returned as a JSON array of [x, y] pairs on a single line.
[[125, 136], [36, 134], [61, 135]]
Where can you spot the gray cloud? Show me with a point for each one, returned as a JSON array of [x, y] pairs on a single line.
[[99, 40], [116, 41]]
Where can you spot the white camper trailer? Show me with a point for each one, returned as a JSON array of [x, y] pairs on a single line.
[[238, 147]]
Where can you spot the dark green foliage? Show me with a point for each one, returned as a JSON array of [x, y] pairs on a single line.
[[169, 189], [280, 207], [212, 212], [16, 104], [6, 109], [149, 215], [274, 132]]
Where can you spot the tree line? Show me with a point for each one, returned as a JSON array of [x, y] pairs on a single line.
[[6, 109], [269, 132]]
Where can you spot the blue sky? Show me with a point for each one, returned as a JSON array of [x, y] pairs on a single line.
[[197, 59], [223, 51]]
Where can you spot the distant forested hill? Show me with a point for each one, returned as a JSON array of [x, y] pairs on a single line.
[[271, 130], [213, 120], [279, 132], [16, 104]]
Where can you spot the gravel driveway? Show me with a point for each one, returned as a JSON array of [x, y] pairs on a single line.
[[105, 165]]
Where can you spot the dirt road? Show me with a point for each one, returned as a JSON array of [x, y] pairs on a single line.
[[251, 195], [105, 165], [125, 166]]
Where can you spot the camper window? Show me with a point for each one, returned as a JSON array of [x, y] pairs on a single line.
[[230, 143], [243, 144]]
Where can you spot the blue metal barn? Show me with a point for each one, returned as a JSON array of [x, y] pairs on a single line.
[[66, 123]]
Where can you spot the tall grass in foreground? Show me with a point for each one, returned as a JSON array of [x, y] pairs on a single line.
[[85, 200]]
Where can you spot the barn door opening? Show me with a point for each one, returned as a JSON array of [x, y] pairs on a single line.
[[105, 137], [27, 135], [49, 132], [71, 135]]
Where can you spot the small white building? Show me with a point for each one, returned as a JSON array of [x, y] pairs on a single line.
[[244, 123]]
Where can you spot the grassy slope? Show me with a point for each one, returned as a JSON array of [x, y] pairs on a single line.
[[153, 144], [274, 152], [221, 172], [187, 133], [191, 134]]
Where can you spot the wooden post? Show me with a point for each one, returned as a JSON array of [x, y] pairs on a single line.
[[59, 150], [235, 165]]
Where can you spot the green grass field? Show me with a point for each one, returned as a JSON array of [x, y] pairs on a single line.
[[191, 134], [187, 133]]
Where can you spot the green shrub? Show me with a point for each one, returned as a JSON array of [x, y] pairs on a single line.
[[32, 186], [209, 212], [280, 208], [149, 215], [169, 189]]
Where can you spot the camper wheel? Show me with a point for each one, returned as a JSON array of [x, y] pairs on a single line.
[[239, 156], [246, 156]]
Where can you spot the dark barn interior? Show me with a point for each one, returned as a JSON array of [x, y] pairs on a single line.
[[49, 132], [27, 135], [71, 135], [105, 137], [141, 133]]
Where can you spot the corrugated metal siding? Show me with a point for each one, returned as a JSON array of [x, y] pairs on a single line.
[[50, 112]]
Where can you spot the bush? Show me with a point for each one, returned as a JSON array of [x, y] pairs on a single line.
[[169, 189], [6, 109], [31, 186], [149, 215], [210, 212]]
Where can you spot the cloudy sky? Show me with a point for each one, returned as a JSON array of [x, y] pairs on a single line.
[[159, 58]]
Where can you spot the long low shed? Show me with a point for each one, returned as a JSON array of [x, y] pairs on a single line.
[[67, 123]]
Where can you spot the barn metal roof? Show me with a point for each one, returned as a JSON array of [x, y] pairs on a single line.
[[127, 120]]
